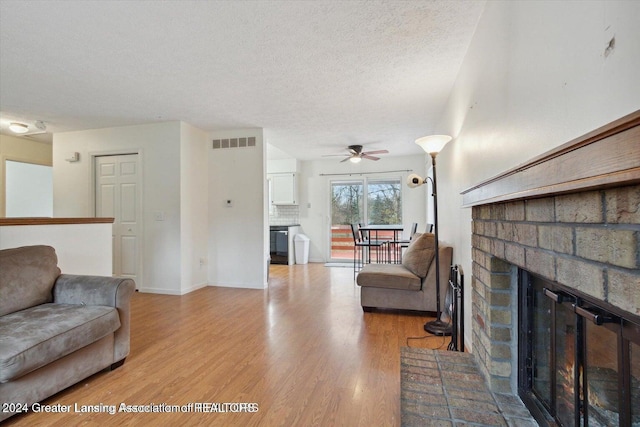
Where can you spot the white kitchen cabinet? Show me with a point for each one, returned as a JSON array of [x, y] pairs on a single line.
[[284, 188]]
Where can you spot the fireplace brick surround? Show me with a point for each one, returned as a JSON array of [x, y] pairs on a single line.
[[571, 216], [590, 239]]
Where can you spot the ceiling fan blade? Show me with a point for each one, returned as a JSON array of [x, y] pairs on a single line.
[[356, 152], [376, 152]]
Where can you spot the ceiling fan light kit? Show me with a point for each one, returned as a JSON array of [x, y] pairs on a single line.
[[356, 154]]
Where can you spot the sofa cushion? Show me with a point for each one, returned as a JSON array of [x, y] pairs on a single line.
[[28, 275], [32, 338], [419, 255], [390, 276]]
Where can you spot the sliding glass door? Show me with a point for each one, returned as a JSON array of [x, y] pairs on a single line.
[[361, 201], [347, 207], [384, 201]]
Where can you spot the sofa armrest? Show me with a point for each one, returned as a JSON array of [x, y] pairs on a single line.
[[92, 290], [100, 290]]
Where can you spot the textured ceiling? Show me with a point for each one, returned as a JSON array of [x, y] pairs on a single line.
[[317, 76]]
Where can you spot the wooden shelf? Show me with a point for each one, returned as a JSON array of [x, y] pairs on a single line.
[[53, 221]]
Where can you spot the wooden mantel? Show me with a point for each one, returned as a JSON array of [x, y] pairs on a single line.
[[603, 158], [53, 221]]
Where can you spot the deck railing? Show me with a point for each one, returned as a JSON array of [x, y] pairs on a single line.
[[342, 241]]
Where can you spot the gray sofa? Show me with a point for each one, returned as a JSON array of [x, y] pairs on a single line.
[[410, 285], [56, 330]]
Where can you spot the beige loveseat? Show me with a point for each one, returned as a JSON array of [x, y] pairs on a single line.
[[56, 330], [410, 285]]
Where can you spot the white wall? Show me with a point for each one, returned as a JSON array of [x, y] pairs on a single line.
[[159, 151], [194, 227], [188, 182], [29, 189], [535, 76], [282, 165], [314, 192], [80, 248], [238, 235], [21, 150]]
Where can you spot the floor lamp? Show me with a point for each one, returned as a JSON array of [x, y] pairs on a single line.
[[432, 145]]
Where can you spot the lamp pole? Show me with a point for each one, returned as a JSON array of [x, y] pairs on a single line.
[[432, 145], [436, 327]]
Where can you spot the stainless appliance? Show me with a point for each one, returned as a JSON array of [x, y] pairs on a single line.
[[279, 242]]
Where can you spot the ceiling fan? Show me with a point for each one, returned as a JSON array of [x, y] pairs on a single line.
[[356, 154]]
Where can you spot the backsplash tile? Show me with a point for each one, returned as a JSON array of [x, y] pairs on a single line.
[[284, 215]]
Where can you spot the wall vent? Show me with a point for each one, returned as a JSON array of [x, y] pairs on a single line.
[[234, 142]]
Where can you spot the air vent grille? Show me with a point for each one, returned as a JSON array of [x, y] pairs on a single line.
[[234, 143]]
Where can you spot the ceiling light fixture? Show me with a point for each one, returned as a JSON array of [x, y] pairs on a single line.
[[18, 127], [355, 159]]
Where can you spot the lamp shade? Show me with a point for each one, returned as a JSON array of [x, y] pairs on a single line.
[[414, 180], [18, 127], [432, 144]]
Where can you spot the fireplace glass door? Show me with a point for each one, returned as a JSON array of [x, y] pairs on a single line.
[[567, 370], [602, 376], [580, 364], [634, 377], [540, 336]]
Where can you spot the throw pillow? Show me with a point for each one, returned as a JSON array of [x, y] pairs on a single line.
[[419, 255]]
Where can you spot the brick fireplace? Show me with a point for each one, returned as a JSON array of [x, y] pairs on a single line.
[[590, 239], [572, 217]]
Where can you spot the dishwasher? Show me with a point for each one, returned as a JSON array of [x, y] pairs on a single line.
[[279, 244]]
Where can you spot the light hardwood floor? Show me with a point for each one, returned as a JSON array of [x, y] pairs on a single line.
[[302, 350]]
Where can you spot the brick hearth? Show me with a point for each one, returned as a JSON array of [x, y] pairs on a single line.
[[444, 388]]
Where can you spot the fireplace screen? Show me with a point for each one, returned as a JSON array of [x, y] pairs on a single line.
[[579, 364]]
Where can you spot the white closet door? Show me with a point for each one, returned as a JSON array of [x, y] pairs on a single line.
[[117, 196]]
